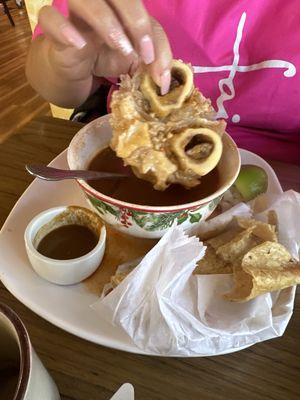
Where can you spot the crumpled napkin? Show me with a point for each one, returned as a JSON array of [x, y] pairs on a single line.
[[168, 311]]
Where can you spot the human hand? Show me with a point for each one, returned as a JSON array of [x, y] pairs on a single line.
[[106, 38]]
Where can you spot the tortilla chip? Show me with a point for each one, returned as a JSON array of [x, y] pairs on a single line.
[[243, 242], [223, 238], [116, 279], [265, 268], [267, 255], [243, 286], [245, 223], [248, 286], [212, 264], [205, 235], [265, 232], [119, 276], [260, 203], [267, 280], [273, 219]]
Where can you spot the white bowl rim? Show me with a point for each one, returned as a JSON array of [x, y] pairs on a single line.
[[150, 209], [55, 262]]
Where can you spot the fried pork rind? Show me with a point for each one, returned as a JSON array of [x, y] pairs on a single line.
[[249, 249], [166, 139]]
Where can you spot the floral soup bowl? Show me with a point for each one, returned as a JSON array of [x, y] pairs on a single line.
[[142, 220]]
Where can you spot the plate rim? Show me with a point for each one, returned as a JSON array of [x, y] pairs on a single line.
[[84, 334]]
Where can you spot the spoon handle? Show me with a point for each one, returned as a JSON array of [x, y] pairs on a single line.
[[54, 174]]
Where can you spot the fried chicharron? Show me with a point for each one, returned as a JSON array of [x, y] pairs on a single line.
[[167, 139]]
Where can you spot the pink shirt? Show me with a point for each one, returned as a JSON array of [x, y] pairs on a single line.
[[246, 58]]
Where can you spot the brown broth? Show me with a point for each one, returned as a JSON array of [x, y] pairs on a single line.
[[67, 242], [137, 191]]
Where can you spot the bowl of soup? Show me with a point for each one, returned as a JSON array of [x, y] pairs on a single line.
[[132, 205]]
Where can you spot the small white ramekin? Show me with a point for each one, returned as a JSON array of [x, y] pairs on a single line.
[[61, 272]]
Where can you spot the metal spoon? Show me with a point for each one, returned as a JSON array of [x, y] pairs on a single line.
[[54, 174]]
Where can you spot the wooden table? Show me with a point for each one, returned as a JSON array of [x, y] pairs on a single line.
[[85, 371]]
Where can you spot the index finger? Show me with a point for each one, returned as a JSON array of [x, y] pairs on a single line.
[[137, 22], [161, 68], [60, 30], [104, 22]]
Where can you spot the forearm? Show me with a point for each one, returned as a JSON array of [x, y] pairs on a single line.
[[52, 80]]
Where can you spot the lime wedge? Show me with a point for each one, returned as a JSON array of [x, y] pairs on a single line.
[[251, 182]]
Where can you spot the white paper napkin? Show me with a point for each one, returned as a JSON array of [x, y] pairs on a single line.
[[168, 311]]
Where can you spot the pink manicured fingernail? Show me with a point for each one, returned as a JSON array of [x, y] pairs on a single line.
[[121, 42], [73, 37], [165, 81], [147, 49]]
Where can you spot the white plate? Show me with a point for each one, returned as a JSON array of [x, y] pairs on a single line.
[[65, 307]]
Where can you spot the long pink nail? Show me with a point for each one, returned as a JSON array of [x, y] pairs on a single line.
[[147, 49], [121, 42], [165, 81], [73, 37]]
